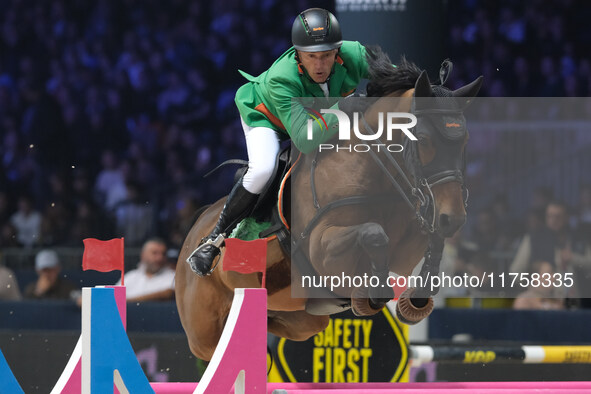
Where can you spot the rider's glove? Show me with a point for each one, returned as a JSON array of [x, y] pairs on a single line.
[[355, 103]]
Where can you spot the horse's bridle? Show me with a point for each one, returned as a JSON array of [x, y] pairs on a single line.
[[419, 195], [412, 194]]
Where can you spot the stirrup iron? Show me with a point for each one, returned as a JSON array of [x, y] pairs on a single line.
[[217, 242]]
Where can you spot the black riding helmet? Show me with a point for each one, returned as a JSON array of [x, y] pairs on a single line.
[[316, 30]]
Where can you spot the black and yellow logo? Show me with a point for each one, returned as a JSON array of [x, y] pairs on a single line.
[[351, 349]]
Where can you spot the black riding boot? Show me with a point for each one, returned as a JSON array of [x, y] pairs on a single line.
[[238, 205]]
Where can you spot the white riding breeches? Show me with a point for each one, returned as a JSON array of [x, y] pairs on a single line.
[[262, 145]]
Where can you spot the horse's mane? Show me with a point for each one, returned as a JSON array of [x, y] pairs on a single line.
[[384, 78]]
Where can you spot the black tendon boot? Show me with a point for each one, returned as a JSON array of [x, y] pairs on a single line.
[[238, 205]]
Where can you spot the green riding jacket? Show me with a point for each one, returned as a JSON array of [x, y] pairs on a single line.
[[266, 100]]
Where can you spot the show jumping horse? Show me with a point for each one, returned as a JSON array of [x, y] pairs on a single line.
[[361, 213]]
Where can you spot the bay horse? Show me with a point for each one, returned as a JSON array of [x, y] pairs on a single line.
[[425, 183]]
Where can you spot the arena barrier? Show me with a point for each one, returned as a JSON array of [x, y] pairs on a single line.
[[104, 359]]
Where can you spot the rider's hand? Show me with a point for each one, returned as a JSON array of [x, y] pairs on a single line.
[[354, 103]]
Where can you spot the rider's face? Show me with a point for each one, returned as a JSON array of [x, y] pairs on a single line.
[[318, 64]]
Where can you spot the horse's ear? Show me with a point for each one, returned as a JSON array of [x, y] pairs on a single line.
[[423, 86], [470, 90]]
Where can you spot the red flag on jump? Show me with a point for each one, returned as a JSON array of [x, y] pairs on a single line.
[[246, 257], [103, 256]]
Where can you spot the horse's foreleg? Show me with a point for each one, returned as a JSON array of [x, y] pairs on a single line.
[[295, 326], [346, 250], [374, 241], [334, 251]]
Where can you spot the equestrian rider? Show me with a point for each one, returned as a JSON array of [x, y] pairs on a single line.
[[320, 64]]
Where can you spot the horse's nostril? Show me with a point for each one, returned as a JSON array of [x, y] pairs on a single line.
[[443, 221], [449, 224]]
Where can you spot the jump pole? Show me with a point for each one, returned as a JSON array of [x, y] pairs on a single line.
[[527, 354], [103, 359]]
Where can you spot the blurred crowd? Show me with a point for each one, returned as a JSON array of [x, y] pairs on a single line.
[[553, 240], [523, 48], [111, 111]]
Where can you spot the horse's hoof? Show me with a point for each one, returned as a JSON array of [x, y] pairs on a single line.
[[360, 303], [380, 296], [407, 312]]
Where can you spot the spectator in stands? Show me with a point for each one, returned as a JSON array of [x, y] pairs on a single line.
[[56, 224], [134, 216], [583, 217], [49, 284], [534, 221], [486, 234], [553, 244], [110, 183], [541, 197], [183, 217], [8, 236], [508, 227], [81, 187], [88, 223], [27, 222], [153, 279], [541, 297], [9, 290]]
